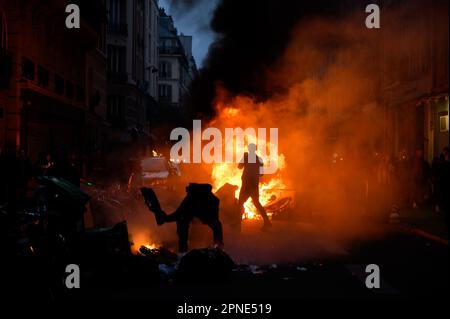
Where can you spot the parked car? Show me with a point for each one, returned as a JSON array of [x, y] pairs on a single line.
[[156, 171]]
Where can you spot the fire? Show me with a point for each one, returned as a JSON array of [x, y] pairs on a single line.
[[137, 246], [141, 239], [270, 186], [151, 246], [268, 190]]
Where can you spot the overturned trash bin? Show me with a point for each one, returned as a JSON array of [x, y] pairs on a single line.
[[100, 242], [205, 265]]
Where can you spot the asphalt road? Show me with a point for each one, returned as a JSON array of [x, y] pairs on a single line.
[[287, 268], [294, 267]]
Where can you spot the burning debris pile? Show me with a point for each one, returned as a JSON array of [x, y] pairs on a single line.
[[160, 255], [272, 187]]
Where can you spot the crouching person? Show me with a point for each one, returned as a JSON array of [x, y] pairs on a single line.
[[199, 202]]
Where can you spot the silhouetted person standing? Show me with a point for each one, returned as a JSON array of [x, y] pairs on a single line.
[[251, 164]]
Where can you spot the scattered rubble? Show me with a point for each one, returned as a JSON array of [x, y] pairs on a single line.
[[161, 255]]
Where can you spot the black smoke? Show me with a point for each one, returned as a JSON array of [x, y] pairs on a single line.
[[252, 35], [184, 5]]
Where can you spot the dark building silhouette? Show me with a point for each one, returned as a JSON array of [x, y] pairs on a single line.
[[414, 75], [57, 77]]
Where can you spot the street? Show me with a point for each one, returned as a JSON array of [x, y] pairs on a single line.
[[308, 267]]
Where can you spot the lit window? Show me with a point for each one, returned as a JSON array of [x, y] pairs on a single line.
[[443, 123]]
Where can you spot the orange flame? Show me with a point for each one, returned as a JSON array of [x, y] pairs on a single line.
[[141, 239], [223, 173]]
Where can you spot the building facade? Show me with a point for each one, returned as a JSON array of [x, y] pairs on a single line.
[[414, 69], [132, 63], [176, 64], [54, 83], [5, 74], [152, 60]]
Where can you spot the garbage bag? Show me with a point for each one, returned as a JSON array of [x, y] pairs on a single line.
[[205, 265]]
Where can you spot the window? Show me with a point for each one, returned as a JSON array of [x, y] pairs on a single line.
[[115, 107], [165, 92], [117, 17], [43, 76], [443, 123], [3, 33], [116, 59], [116, 11], [165, 70], [28, 69], [59, 84], [150, 18], [149, 50], [5, 70]]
